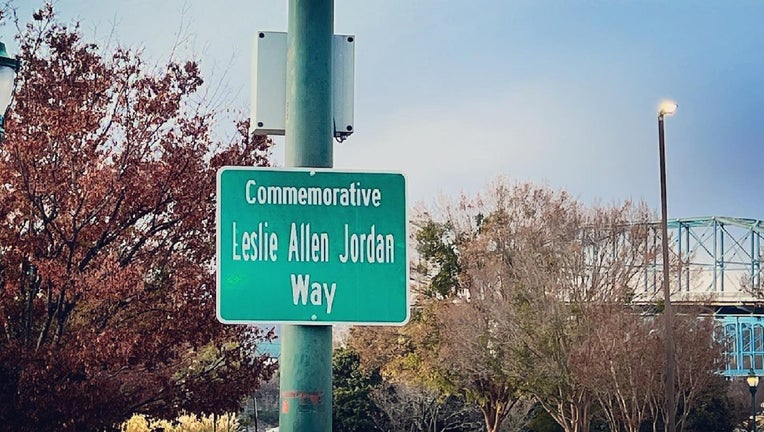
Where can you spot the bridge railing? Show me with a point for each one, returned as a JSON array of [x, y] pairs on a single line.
[[716, 259], [744, 337]]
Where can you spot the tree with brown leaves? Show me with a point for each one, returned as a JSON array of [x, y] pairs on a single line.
[[527, 293], [107, 271]]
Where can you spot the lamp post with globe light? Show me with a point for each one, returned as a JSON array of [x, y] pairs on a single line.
[[753, 383], [8, 68]]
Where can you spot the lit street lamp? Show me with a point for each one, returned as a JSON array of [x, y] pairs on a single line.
[[8, 68], [666, 108], [753, 384]]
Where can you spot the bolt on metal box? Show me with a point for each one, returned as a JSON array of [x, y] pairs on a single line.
[[268, 110]]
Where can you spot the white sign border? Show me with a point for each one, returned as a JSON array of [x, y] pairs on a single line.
[[300, 322]]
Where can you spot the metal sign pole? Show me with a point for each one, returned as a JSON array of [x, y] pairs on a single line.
[[306, 351]]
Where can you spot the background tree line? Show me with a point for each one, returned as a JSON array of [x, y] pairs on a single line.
[[526, 296]]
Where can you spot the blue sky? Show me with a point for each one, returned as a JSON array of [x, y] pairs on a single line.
[[454, 93]]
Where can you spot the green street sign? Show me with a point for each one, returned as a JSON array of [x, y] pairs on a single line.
[[311, 246]]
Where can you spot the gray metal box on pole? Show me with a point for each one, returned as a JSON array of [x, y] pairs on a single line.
[[269, 58]]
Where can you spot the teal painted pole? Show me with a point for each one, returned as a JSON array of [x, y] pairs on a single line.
[[309, 124], [306, 351]]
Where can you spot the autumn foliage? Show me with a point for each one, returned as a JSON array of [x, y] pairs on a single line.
[[525, 294], [107, 246]]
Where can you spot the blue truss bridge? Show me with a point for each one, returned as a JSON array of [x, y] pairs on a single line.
[[716, 262]]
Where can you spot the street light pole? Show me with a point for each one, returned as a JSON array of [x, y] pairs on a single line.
[[753, 383], [667, 108]]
